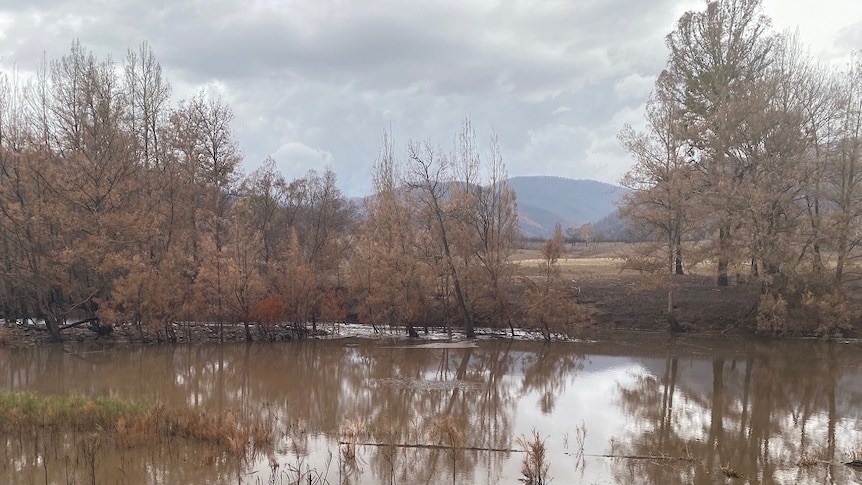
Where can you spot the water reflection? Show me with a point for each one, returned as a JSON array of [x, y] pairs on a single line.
[[669, 412], [770, 413]]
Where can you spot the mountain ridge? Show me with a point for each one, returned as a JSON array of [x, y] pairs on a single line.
[[545, 200]]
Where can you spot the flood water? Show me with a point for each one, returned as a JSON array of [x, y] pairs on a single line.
[[638, 409]]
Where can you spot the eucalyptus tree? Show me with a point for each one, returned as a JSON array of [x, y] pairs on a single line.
[[661, 202], [845, 172], [718, 57]]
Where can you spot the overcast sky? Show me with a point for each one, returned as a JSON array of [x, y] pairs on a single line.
[[313, 83]]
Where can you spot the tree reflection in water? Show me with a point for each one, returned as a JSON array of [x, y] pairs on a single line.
[[756, 406], [758, 410]]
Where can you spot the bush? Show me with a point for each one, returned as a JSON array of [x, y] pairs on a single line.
[[772, 314]]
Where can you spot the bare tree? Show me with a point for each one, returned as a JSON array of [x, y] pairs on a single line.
[[494, 221], [430, 182], [148, 93], [845, 172]]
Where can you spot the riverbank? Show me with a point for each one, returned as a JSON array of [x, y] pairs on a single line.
[[612, 299]]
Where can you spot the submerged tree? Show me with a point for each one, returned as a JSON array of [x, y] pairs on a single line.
[[494, 224], [430, 181], [388, 276]]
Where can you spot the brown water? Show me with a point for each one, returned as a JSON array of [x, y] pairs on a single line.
[[668, 412]]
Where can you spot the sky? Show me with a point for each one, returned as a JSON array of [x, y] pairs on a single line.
[[314, 83]]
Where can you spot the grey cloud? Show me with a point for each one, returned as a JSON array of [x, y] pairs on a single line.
[[315, 82]]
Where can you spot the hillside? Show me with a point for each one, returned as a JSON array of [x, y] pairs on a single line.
[[543, 201]]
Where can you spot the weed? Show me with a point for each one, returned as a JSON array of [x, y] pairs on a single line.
[[351, 431], [447, 432], [807, 461], [730, 472], [580, 437], [535, 465]]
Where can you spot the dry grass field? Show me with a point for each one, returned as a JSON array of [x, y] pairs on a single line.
[[629, 299]]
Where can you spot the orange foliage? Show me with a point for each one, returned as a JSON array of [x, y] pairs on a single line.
[[332, 305], [270, 310]]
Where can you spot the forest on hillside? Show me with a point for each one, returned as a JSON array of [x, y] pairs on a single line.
[[119, 206]]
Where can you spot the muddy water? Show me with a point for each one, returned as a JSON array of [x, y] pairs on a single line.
[[635, 410]]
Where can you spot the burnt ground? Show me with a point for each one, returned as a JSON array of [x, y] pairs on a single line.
[[635, 302], [625, 299]]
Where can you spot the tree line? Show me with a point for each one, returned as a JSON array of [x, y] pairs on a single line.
[[120, 207], [753, 148]]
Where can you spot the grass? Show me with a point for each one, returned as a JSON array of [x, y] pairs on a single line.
[[130, 423], [66, 411]]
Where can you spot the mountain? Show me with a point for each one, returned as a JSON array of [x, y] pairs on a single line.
[[543, 201]]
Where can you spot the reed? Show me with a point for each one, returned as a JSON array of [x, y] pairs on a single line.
[[129, 423], [535, 466], [730, 472]]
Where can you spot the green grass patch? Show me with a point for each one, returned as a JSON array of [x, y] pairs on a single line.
[[129, 423], [66, 411]]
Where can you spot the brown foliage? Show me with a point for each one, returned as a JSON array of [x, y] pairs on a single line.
[[270, 311]]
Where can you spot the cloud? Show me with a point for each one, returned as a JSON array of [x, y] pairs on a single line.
[[634, 86], [561, 110], [293, 155], [316, 82], [605, 157]]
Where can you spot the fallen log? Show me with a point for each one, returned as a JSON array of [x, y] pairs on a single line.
[[645, 457], [79, 323], [432, 447]]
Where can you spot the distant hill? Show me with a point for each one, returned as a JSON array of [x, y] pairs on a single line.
[[543, 201]]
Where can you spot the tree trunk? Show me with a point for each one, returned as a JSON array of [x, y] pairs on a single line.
[[716, 429], [462, 304], [53, 324], [841, 258], [723, 242], [170, 333], [447, 253]]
